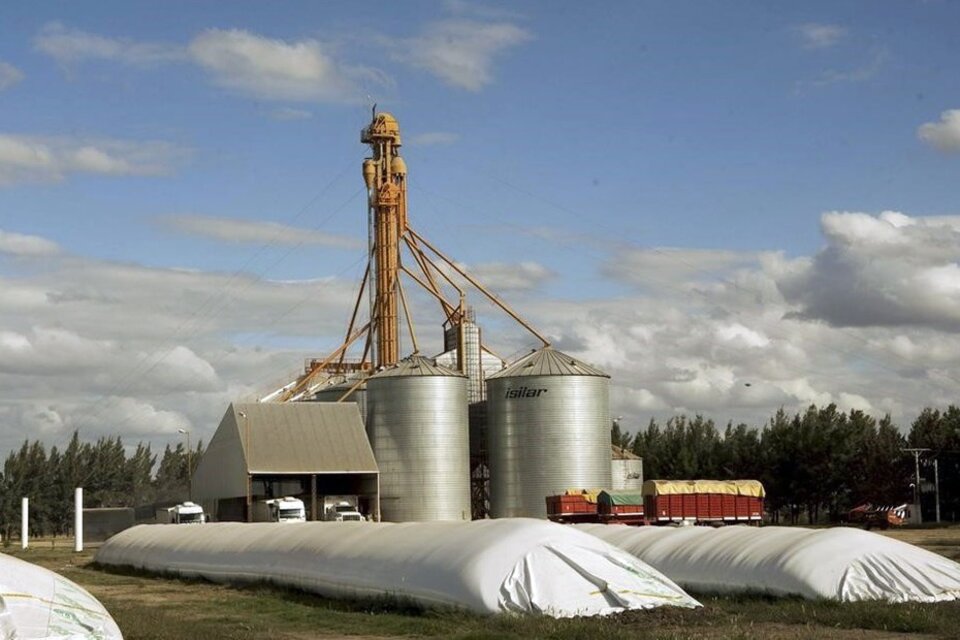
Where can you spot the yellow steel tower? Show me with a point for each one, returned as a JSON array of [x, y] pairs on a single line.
[[385, 174]]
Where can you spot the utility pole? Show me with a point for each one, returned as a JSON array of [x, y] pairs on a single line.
[[936, 486], [186, 432], [918, 518]]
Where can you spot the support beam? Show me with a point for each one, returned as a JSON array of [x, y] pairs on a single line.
[[494, 299], [249, 498]]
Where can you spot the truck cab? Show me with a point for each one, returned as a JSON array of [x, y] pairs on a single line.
[[185, 513], [343, 512], [287, 509]]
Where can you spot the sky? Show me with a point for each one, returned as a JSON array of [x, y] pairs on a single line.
[[729, 207]]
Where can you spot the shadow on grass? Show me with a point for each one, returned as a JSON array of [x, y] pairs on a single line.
[[373, 604]]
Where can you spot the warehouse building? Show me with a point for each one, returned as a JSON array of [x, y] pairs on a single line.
[[303, 449]]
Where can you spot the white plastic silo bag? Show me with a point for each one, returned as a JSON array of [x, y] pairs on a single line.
[[841, 563], [37, 603], [488, 566]]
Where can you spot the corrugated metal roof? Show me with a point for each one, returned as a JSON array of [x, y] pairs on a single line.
[[547, 362], [303, 437], [416, 366]]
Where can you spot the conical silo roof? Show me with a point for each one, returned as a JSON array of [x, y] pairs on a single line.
[[547, 362], [416, 365]]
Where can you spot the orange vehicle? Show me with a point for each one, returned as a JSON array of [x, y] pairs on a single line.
[[573, 505], [879, 515]]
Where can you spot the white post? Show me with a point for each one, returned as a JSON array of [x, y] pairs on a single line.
[[24, 522], [78, 519]]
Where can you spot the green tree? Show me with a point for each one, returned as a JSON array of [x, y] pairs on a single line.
[[940, 432], [618, 438]]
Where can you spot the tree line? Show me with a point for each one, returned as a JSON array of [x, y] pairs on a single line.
[[109, 475], [816, 464]]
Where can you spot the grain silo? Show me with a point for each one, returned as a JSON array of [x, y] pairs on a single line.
[[417, 424], [626, 470], [344, 389], [549, 430]]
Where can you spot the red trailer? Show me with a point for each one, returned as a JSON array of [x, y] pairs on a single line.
[[574, 505], [703, 501]]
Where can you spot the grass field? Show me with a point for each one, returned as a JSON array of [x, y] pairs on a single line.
[[152, 608]]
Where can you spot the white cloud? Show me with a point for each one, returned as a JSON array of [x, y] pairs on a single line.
[[943, 135], [739, 335], [503, 276], [129, 416], [820, 36], [853, 401], [432, 138], [885, 270], [286, 114], [179, 369], [255, 231], [120, 348], [73, 46], [870, 68], [48, 350], [276, 69], [245, 62], [51, 158], [18, 244], [460, 52], [9, 75], [669, 267]]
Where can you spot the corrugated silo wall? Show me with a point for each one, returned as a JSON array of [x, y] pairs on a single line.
[[419, 434], [627, 475], [546, 434], [333, 394]]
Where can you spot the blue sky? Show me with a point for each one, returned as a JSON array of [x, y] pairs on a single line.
[[689, 195]]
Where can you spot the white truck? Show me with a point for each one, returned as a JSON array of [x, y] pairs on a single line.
[[341, 509], [184, 513], [286, 509]]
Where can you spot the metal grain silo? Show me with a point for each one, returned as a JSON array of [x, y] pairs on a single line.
[[626, 470], [338, 389], [417, 424], [549, 430]]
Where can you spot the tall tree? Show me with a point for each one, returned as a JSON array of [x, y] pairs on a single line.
[[619, 438], [940, 432]]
